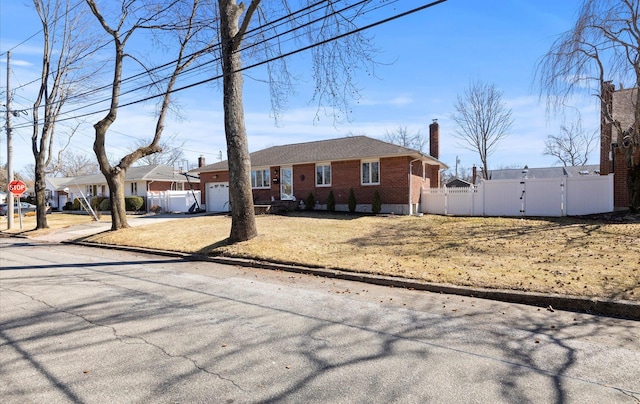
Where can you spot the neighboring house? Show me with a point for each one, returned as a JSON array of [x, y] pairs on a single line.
[[138, 181], [292, 172], [621, 105], [3, 197], [543, 172], [458, 183]]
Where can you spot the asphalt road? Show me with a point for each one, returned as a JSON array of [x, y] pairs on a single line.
[[86, 325]]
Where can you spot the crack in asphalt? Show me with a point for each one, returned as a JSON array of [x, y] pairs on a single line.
[[123, 338]]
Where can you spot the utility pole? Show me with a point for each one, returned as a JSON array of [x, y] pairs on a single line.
[[9, 151]]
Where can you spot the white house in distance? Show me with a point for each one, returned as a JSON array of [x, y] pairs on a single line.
[[140, 181]]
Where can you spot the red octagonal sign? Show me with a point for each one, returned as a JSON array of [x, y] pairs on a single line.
[[17, 187]]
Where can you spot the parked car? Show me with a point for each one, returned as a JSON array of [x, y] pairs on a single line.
[[24, 208]]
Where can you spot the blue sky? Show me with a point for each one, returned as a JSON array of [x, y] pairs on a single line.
[[427, 59]]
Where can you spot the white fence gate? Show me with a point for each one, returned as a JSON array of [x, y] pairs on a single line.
[[559, 196], [173, 201]]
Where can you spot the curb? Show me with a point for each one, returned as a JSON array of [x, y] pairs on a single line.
[[625, 309]]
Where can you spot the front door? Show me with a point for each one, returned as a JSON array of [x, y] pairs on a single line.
[[286, 183]]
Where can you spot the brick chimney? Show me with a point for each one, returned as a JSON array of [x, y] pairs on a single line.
[[201, 162], [434, 139]]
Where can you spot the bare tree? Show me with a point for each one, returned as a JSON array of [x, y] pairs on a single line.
[[72, 164], [66, 46], [603, 45], [482, 120], [402, 136], [169, 154], [572, 146], [179, 18]]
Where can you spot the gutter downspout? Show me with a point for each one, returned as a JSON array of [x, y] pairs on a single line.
[[148, 192], [411, 185]]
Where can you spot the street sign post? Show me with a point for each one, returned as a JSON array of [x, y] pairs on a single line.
[[17, 187]]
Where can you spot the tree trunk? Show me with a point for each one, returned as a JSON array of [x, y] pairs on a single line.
[[40, 187], [116, 195], [243, 224]]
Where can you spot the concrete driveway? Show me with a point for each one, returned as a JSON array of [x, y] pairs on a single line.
[[80, 324]]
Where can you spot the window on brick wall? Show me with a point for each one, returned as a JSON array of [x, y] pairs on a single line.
[[260, 178], [323, 174], [370, 172]]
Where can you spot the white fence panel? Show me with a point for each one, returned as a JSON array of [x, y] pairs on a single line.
[[543, 196], [460, 201], [600, 195], [524, 197], [502, 198], [173, 201], [433, 201]]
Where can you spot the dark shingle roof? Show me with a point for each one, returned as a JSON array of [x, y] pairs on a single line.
[[347, 148], [154, 172]]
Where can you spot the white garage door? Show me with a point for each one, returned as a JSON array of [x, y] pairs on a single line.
[[218, 197]]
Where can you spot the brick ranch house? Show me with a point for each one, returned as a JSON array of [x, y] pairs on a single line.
[[291, 172], [621, 105]]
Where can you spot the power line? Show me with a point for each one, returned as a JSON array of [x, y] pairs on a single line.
[[269, 60], [306, 11]]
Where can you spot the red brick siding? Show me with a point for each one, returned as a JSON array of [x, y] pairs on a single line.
[[158, 186], [621, 174]]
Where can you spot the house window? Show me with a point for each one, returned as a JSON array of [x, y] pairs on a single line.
[[323, 174], [134, 188], [370, 172], [260, 178]]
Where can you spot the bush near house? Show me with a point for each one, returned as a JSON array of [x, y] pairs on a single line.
[[331, 202], [76, 204], [105, 204], [96, 202], [376, 205], [352, 201], [310, 202], [133, 203]]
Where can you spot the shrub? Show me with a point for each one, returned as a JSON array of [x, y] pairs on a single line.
[[376, 205], [105, 204], [67, 206], [133, 203], [155, 209], [352, 201], [310, 202], [76, 204], [97, 202], [331, 202]]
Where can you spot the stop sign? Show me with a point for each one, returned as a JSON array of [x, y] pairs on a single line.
[[17, 187]]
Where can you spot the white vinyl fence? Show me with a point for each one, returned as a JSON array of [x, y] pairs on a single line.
[[559, 196], [173, 201]]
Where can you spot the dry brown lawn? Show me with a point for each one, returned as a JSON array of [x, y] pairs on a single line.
[[564, 255]]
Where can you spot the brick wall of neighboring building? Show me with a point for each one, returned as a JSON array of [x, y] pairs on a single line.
[[159, 186], [612, 160], [620, 187]]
